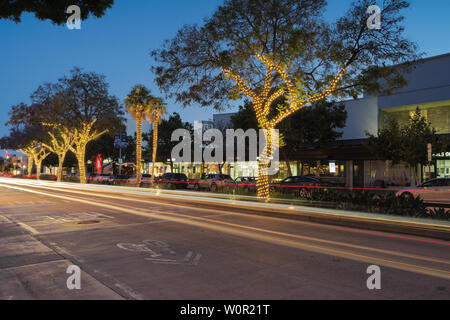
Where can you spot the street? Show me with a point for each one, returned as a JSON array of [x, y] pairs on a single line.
[[130, 247]]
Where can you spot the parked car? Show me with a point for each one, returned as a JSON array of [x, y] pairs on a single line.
[[246, 184], [103, 179], [213, 182], [434, 191], [173, 181], [118, 179], [300, 186], [145, 179]]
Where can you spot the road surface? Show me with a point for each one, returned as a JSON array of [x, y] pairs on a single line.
[[131, 246]]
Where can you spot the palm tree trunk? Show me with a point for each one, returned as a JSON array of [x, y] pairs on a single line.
[[138, 148], [155, 148]]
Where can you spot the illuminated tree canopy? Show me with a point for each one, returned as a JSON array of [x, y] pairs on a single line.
[[264, 50]]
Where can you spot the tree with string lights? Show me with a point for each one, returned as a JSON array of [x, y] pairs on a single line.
[[60, 145], [265, 50], [78, 105], [158, 111], [38, 152], [81, 137], [142, 106]]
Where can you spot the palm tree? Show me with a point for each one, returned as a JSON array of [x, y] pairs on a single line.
[[158, 111], [139, 105]]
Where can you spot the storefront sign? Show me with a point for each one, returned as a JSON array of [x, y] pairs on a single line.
[[442, 155], [332, 167]]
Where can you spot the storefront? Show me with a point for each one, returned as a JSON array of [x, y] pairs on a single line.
[[442, 164]]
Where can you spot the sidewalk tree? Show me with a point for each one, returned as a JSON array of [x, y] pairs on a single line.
[[52, 10], [283, 48], [38, 152], [407, 143], [417, 134], [79, 103], [29, 152], [139, 104], [81, 137], [26, 138], [60, 145]]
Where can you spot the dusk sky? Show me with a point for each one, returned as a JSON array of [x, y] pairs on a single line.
[[118, 45]]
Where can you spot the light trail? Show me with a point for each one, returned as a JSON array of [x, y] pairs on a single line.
[[267, 207], [69, 188]]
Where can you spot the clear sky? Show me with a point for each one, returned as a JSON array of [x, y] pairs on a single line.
[[118, 45]]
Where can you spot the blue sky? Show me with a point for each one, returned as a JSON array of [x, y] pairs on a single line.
[[118, 45]]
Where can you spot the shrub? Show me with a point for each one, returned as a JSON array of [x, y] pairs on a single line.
[[438, 213]]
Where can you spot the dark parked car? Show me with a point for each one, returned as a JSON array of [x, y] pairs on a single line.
[[118, 180], [173, 181], [434, 191], [213, 182], [300, 186], [102, 179], [246, 184]]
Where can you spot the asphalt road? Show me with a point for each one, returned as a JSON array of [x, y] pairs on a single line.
[[130, 246]]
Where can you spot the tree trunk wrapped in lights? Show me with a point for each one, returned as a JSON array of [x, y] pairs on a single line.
[[138, 148], [40, 156], [155, 149], [29, 152], [30, 165], [60, 147], [157, 112], [81, 137], [297, 98]]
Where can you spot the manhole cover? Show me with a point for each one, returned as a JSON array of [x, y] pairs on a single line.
[[89, 222]]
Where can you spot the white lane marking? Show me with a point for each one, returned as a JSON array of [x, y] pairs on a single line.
[[186, 261], [102, 228], [138, 248]]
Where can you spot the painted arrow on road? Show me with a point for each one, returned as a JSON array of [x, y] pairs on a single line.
[[189, 259]]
